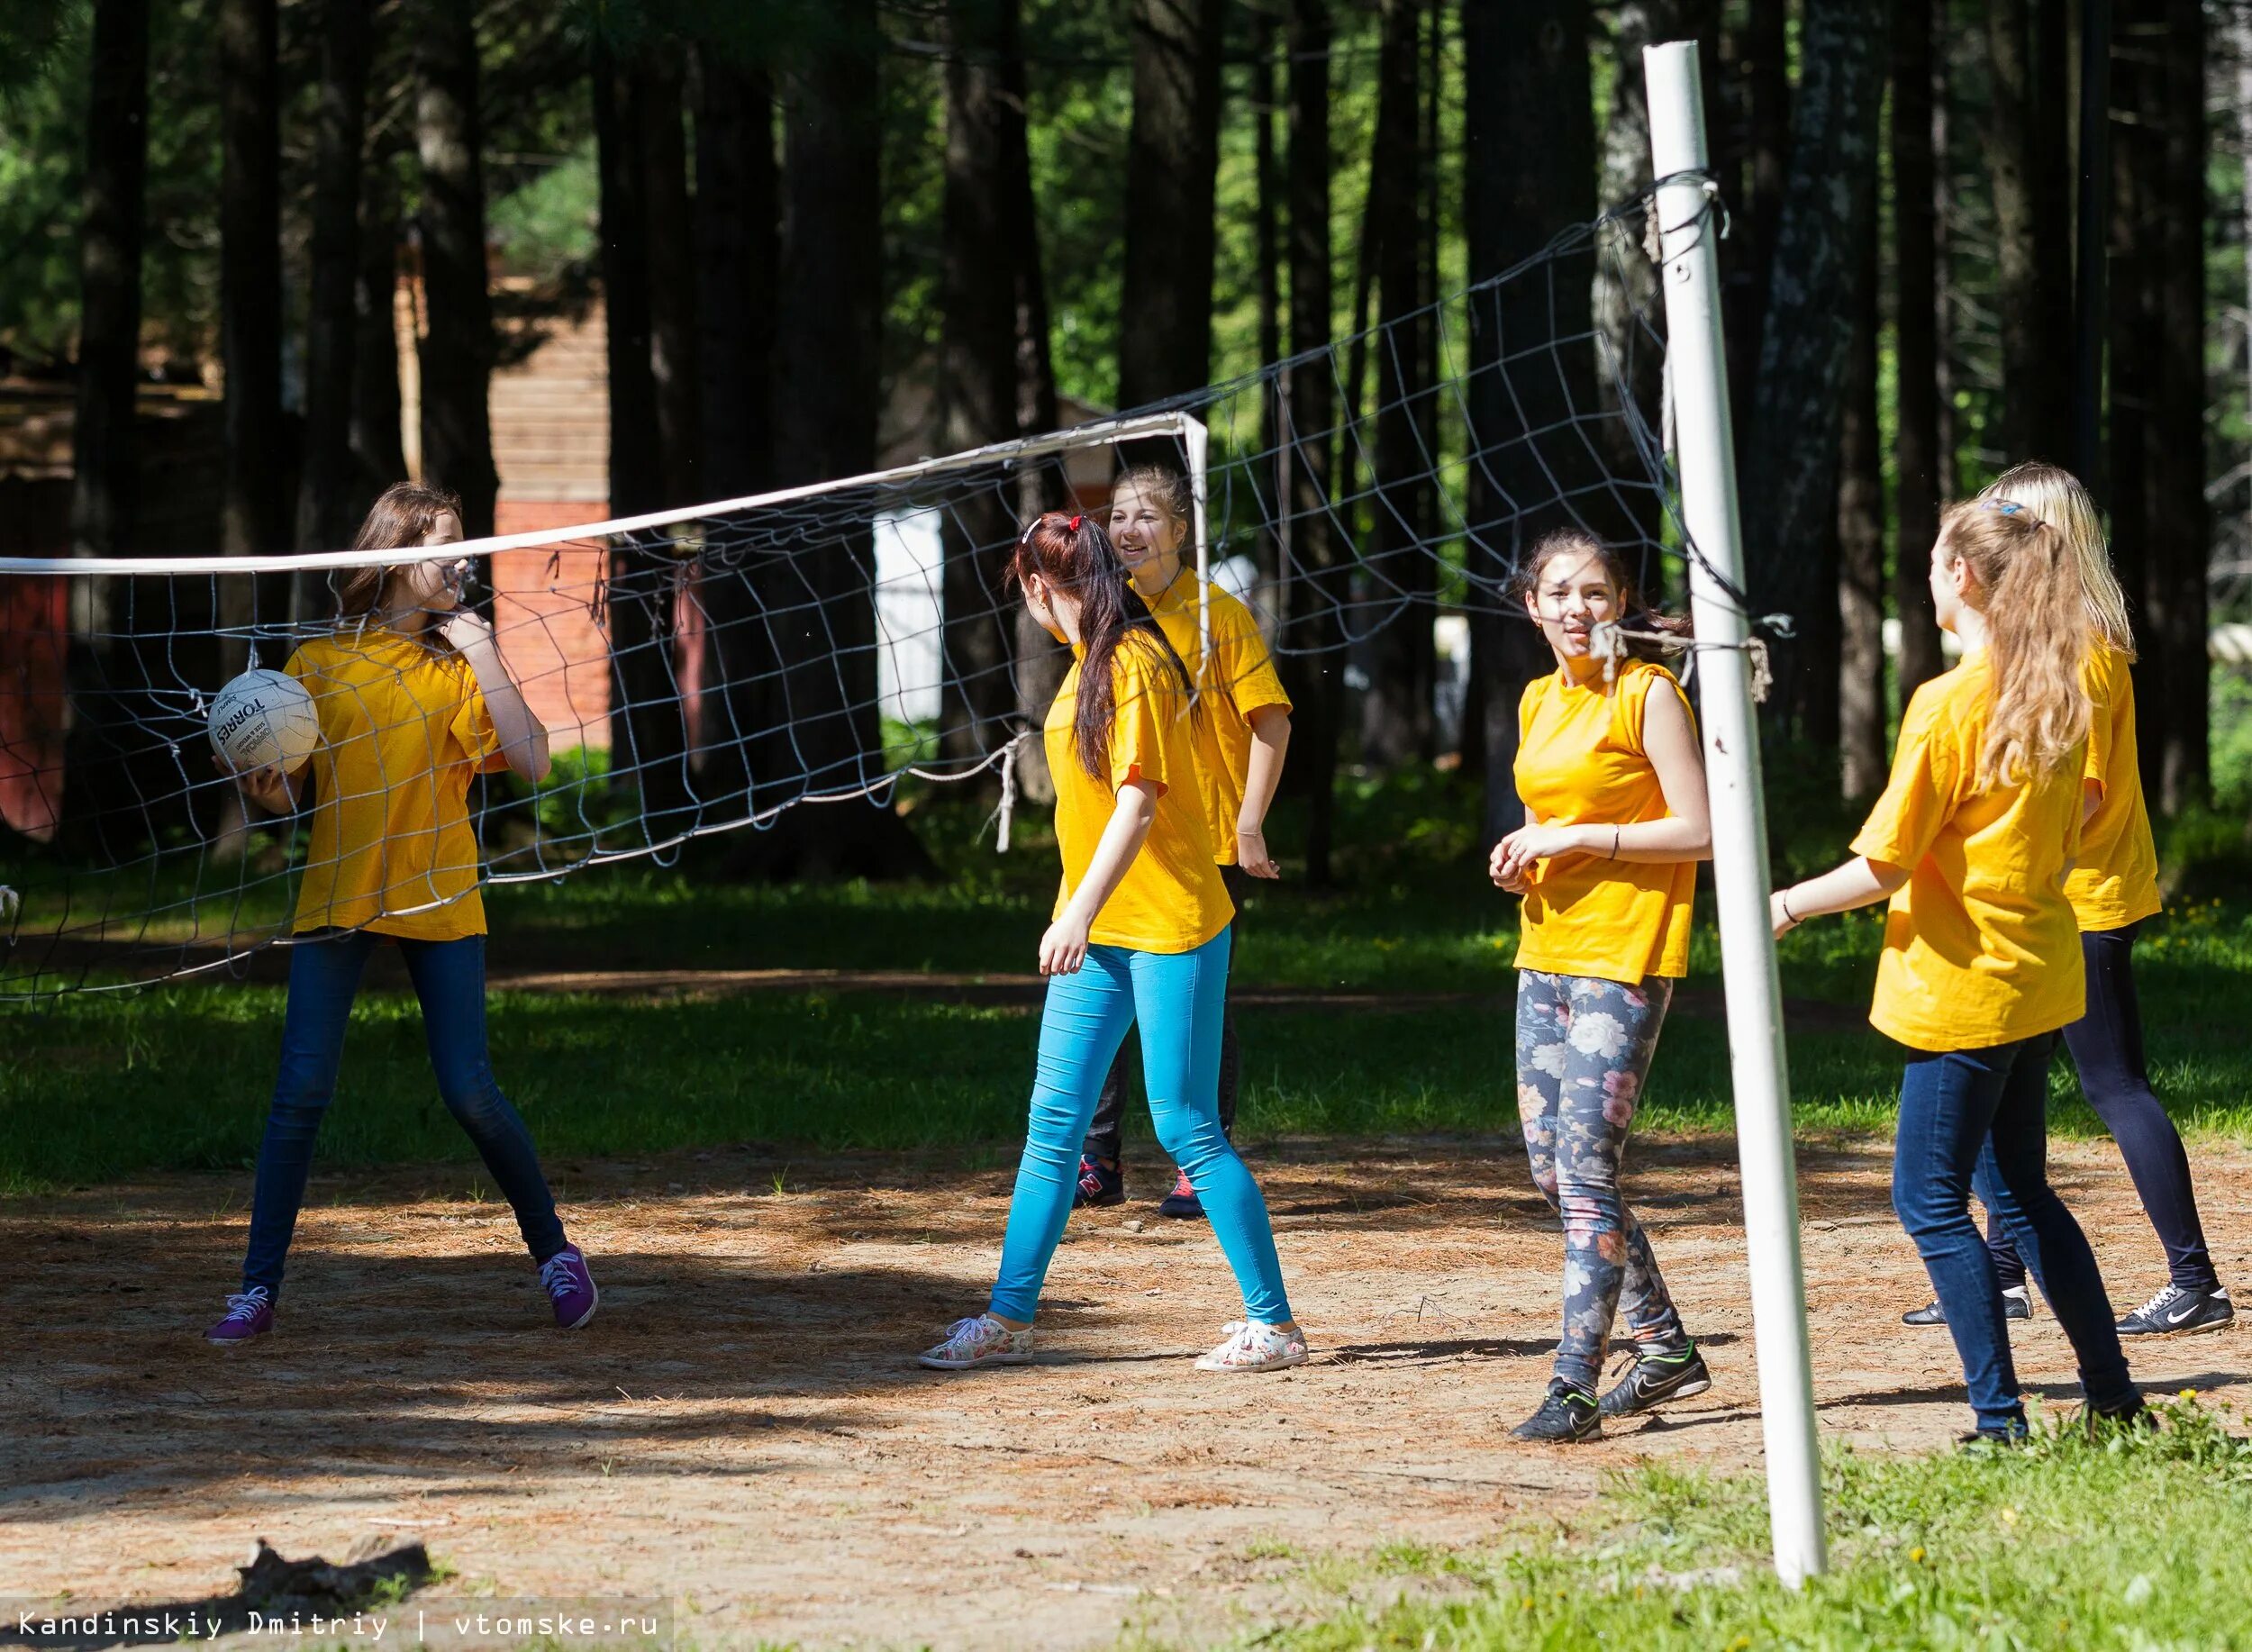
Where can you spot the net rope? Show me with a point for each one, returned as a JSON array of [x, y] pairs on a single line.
[[704, 670]]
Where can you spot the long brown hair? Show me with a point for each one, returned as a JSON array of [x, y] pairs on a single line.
[[2036, 636], [2057, 496], [1633, 615], [402, 517], [1073, 554]]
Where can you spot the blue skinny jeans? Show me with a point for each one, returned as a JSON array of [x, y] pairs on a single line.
[[1952, 1106], [449, 979], [1177, 997]]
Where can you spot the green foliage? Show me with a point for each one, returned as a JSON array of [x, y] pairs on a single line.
[[2130, 1539]]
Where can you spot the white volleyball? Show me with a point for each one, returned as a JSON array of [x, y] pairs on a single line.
[[263, 718]]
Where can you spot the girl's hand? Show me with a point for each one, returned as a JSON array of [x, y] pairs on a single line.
[[1064, 948], [268, 787], [466, 630], [1514, 857], [1779, 916], [1251, 853], [1514, 879]]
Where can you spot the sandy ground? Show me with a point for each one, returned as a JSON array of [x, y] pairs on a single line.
[[742, 1430]]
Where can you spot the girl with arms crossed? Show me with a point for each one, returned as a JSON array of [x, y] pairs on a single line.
[[1971, 843], [1615, 822], [414, 700], [2114, 886], [1241, 734], [1140, 934]]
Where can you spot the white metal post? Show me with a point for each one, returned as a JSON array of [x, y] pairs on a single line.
[[1705, 457], [1197, 440]]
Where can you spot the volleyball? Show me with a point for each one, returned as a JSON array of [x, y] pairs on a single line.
[[264, 718]]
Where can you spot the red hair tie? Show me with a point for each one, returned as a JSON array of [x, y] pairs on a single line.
[[1075, 522]]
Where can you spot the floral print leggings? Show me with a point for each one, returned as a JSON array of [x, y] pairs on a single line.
[[1584, 1047]]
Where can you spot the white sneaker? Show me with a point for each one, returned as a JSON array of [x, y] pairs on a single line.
[[979, 1340], [1254, 1346]]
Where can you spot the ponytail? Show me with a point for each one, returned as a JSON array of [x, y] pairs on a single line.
[[2036, 636], [2056, 497], [1073, 554]]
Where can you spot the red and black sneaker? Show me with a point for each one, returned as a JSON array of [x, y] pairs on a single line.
[[1182, 1204], [1098, 1184]]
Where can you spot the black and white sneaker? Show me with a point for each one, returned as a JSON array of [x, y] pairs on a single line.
[[1567, 1415], [1655, 1379], [2017, 1303], [2175, 1313]]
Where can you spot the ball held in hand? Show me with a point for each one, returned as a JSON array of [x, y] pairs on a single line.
[[261, 718]]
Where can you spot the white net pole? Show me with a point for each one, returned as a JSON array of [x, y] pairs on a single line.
[[1706, 455]]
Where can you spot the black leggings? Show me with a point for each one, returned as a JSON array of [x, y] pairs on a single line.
[[1110, 1109], [2106, 1045]]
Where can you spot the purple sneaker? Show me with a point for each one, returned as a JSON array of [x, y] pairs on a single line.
[[570, 1286], [248, 1315]]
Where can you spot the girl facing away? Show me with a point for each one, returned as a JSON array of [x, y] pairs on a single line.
[[1615, 821], [1970, 844], [2113, 887], [1140, 934], [1240, 735], [414, 701]]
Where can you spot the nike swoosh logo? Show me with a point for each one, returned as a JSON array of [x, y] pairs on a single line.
[[2175, 1319]]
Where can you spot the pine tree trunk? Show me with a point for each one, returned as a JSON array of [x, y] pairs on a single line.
[[1861, 557], [1268, 180], [1172, 159], [2132, 350], [2035, 401], [1313, 662], [1402, 571], [328, 485], [1764, 52], [457, 356], [378, 443], [1529, 165], [737, 220], [105, 452], [738, 211], [821, 602], [2181, 524], [672, 273], [987, 219], [1829, 212], [249, 277], [1915, 263]]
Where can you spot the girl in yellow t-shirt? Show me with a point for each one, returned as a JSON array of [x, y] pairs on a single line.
[[1971, 843], [1140, 934], [1615, 822], [414, 700], [1239, 736], [2114, 886]]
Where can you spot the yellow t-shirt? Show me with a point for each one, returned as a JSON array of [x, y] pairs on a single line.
[[2115, 881], [1238, 679], [1581, 761], [1981, 947], [404, 728], [1171, 899]]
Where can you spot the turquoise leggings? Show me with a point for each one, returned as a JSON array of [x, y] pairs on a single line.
[[1177, 997]]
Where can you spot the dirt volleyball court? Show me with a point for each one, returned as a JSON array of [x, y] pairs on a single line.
[[742, 1428]]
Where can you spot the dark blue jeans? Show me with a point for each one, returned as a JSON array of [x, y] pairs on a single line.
[[1952, 1106], [2106, 1045], [449, 979]]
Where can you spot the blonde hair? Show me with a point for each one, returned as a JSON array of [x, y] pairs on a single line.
[[2056, 497], [2037, 639]]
